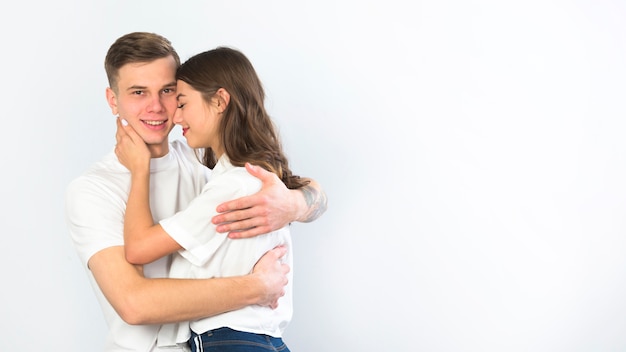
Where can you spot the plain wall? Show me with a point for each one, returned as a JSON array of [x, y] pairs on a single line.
[[472, 153]]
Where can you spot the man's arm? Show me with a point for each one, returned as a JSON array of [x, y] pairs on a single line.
[[273, 207], [139, 300], [315, 201]]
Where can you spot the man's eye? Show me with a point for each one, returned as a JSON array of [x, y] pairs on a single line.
[[138, 92], [169, 90]]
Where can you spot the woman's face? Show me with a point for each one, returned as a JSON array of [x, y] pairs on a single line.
[[198, 119]]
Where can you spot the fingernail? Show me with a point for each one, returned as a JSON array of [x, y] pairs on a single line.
[[124, 122]]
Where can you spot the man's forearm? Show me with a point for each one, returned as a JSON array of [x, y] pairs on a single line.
[[139, 300], [314, 202]]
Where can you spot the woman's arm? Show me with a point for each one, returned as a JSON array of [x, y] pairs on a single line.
[[273, 207], [144, 241]]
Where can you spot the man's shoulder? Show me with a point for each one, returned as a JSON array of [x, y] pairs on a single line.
[[105, 174], [181, 147], [182, 151]]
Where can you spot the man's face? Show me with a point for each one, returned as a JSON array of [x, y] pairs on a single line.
[[146, 98]]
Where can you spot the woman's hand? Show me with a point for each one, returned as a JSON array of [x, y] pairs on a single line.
[[131, 150]]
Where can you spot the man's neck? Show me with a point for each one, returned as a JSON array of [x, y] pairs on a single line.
[[159, 150]]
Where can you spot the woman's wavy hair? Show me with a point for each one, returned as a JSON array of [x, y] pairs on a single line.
[[246, 130]]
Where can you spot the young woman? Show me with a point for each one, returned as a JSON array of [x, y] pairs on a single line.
[[221, 112]]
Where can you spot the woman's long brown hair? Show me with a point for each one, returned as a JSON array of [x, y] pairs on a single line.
[[246, 130]]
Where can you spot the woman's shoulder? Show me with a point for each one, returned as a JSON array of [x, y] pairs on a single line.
[[225, 172]]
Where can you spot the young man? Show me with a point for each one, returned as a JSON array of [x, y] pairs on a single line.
[[135, 300]]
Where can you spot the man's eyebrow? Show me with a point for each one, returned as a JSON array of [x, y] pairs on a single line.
[[136, 88]]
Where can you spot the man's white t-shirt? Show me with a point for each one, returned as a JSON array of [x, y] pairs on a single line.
[[95, 206]]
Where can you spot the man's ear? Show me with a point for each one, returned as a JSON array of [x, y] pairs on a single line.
[[224, 98], [112, 100]]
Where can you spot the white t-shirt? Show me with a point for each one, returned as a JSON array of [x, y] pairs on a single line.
[[95, 206], [207, 253]]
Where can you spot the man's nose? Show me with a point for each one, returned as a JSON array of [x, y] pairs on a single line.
[[156, 104]]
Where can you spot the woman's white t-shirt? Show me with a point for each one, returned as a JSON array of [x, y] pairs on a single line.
[[208, 254]]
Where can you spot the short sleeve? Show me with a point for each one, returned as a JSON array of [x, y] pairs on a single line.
[[94, 217], [192, 227]]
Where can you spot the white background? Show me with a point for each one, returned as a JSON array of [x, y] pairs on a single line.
[[472, 152]]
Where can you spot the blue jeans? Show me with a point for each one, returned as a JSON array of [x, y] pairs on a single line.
[[229, 340]]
